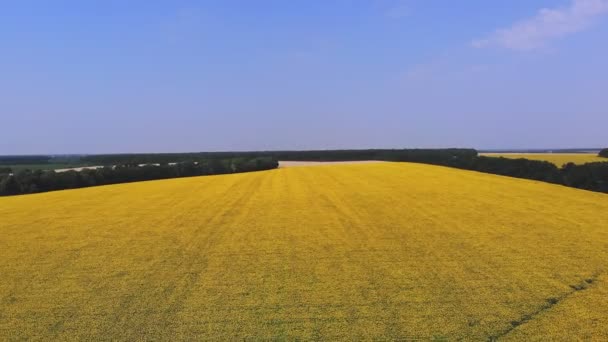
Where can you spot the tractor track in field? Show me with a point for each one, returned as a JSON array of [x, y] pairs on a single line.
[[550, 303]]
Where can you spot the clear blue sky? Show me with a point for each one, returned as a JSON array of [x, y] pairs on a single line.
[[169, 76]]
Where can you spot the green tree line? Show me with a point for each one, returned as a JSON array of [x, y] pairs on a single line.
[[314, 155], [27, 181]]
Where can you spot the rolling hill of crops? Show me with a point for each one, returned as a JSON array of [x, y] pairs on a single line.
[[363, 251], [558, 159]]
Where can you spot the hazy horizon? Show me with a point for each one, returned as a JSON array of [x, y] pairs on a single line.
[[591, 150], [137, 77]]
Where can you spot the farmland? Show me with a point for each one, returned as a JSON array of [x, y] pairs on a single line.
[[361, 251], [558, 159]]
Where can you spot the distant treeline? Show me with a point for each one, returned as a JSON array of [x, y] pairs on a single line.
[[519, 168], [27, 181], [19, 160], [604, 153], [536, 150], [421, 155], [591, 176], [414, 155]]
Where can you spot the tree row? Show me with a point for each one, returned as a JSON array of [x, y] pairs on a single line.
[[27, 181]]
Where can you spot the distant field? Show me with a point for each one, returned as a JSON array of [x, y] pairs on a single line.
[[558, 159], [290, 163], [379, 251]]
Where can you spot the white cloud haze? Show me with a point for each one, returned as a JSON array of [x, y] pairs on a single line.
[[548, 24]]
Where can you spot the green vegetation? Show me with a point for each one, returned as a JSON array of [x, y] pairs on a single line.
[[27, 181], [415, 155], [16, 163], [18, 160], [589, 176], [604, 153], [50, 166]]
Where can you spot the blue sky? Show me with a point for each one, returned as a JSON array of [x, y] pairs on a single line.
[[170, 76]]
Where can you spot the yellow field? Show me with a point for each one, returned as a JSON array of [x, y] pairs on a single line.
[[349, 252], [558, 159]]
